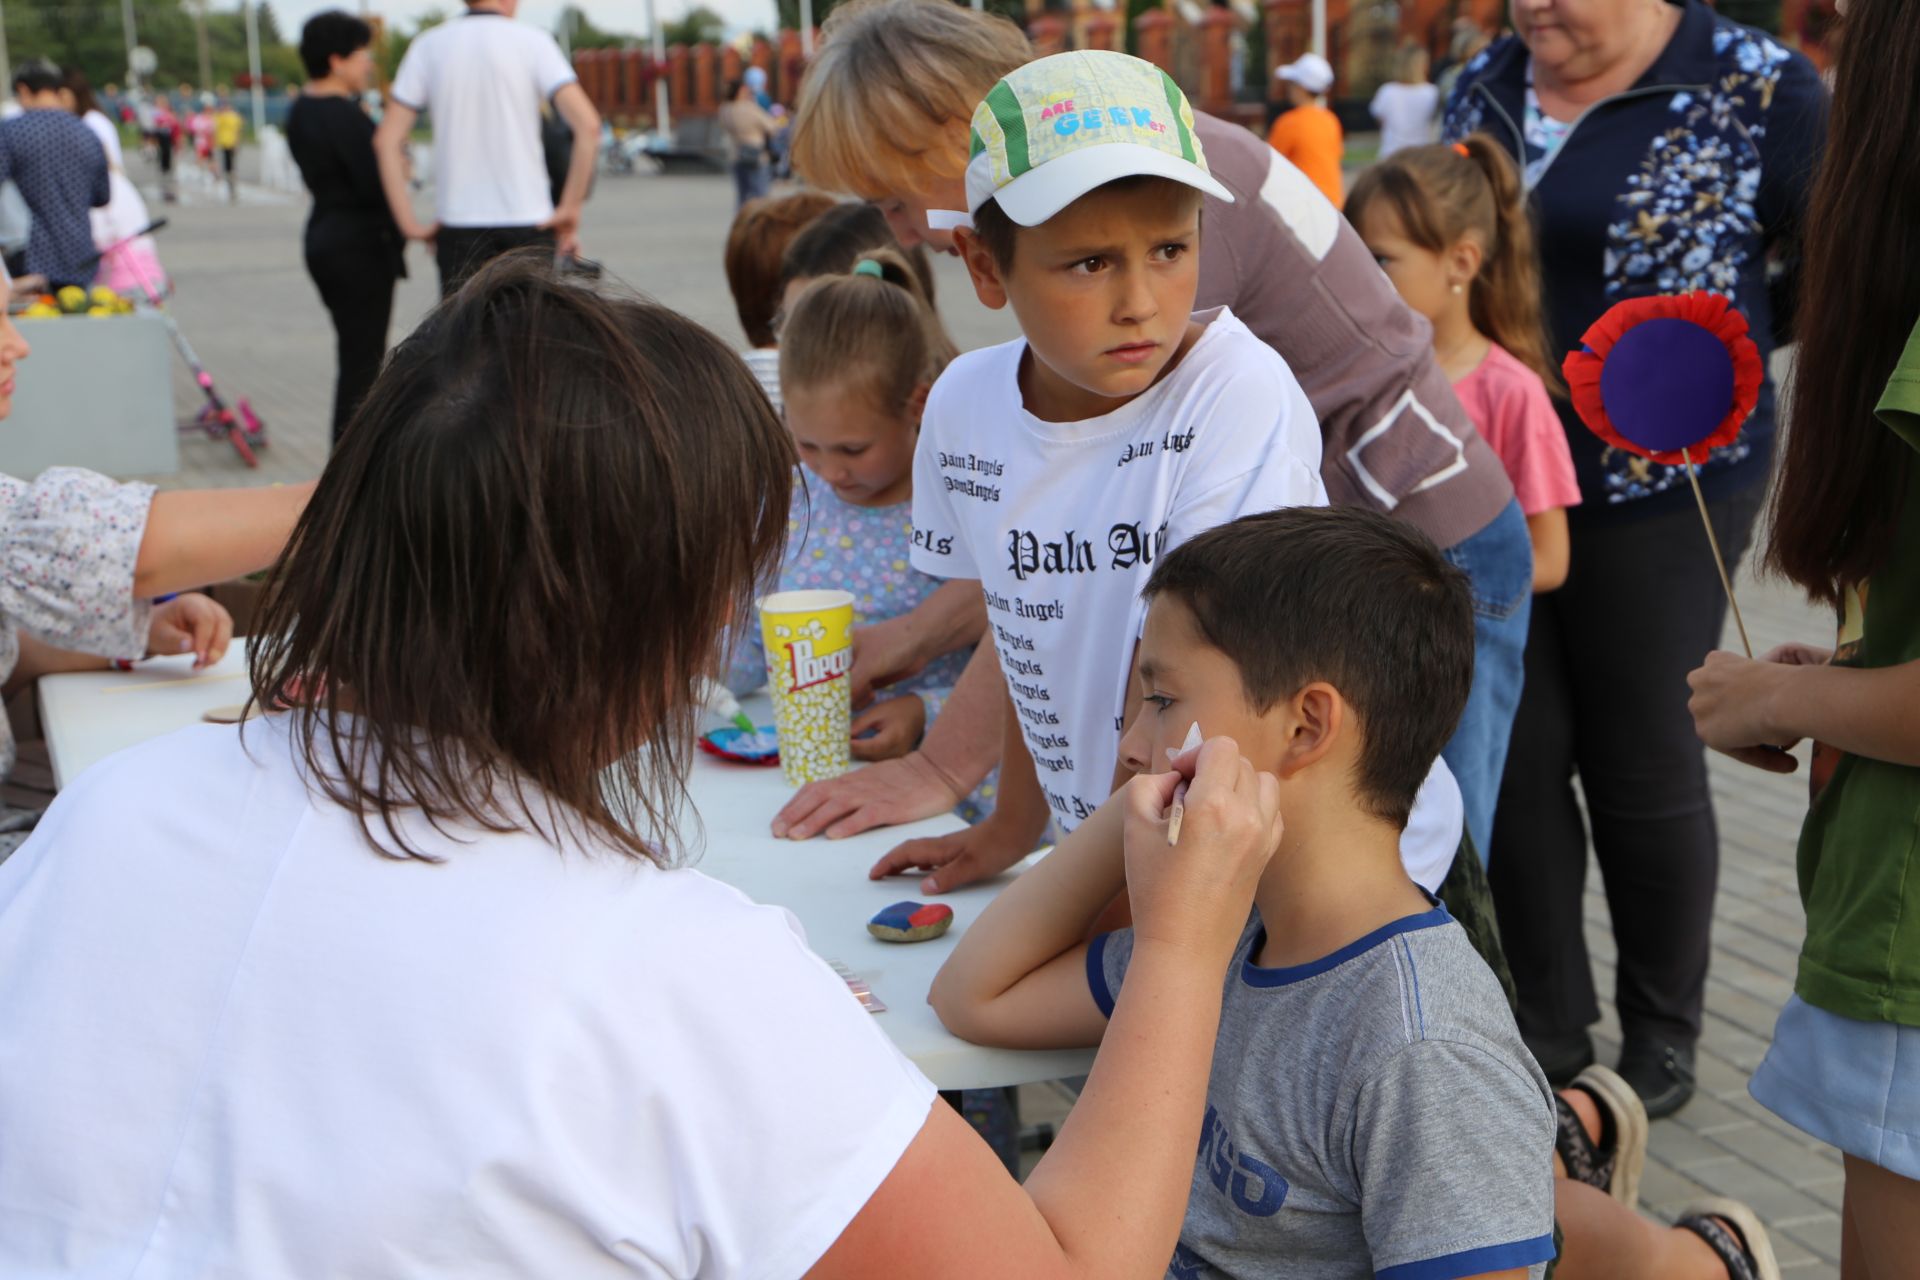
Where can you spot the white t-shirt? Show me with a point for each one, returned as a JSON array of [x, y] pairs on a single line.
[[1062, 522], [1405, 113], [239, 1044], [484, 78]]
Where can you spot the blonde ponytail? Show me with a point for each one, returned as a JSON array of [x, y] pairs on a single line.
[[873, 329]]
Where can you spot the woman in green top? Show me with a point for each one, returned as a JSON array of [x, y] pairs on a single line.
[[1845, 1061]]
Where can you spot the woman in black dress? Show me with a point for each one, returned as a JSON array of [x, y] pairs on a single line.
[[354, 251]]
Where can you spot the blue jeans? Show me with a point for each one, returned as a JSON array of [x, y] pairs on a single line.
[[1498, 561], [752, 178]]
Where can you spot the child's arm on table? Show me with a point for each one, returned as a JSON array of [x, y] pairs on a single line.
[[990, 846], [1552, 551], [1018, 978], [960, 749], [188, 623]]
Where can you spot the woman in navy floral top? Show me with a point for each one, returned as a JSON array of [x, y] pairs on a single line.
[[1666, 149]]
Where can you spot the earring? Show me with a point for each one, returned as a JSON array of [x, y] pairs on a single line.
[[1457, 289]]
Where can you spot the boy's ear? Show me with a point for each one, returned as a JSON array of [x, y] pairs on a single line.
[[984, 271], [1317, 717], [917, 402]]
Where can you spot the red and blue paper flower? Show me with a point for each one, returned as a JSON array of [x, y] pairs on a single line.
[[1668, 377]]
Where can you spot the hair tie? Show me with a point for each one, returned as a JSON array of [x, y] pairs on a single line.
[[1460, 149], [868, 267]]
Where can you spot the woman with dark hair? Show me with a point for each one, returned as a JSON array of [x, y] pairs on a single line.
[[354, 252], [751, 129], [409, 980], [125, 215], [1665, 148], [1844, 1065]]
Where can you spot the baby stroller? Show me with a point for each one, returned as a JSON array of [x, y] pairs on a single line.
[[124, 264]]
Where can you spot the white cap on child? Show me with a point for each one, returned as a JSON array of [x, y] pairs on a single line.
[[1061, 126], [1310, 71]]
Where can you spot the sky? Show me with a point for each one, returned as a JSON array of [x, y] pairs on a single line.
[[608, 15]]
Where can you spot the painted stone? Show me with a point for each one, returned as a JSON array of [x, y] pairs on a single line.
[[911, 922]]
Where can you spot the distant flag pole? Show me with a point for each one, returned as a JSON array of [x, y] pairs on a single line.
[[1667, 377], [253, 68], [662, 117]]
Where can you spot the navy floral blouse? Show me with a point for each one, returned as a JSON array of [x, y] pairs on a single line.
[[1696, 178]]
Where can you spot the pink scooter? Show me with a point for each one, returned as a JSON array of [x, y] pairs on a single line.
[[238, 422]]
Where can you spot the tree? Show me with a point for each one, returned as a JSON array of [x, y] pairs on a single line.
[[789, 11], [700, 24], [87, 34], [582, 34], [395, 47]]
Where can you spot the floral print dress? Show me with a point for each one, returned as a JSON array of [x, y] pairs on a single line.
[[68, 544]]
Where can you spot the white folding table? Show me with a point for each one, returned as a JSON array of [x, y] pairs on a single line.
[[90, 715]]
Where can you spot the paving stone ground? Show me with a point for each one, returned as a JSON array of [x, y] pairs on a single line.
[[245, 301]]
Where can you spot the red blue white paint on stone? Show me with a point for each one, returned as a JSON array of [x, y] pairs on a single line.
[[911, 921]]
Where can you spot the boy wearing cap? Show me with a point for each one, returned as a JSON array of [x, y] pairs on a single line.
[[1056, 469], [1307, 133]]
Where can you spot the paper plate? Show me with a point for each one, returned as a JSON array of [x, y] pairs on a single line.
[[734, 743]]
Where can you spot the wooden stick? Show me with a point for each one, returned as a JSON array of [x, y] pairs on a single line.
[[1719, 562]]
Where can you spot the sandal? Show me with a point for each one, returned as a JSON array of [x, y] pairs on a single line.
[[1736, 1237], [1615, 1163]]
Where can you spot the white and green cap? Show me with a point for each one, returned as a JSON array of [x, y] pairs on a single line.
[[1061, 126]]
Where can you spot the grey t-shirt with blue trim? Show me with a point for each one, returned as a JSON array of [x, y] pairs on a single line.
[[1371, 1114]]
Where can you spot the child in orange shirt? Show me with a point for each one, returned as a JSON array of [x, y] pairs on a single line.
[[1307, 133]]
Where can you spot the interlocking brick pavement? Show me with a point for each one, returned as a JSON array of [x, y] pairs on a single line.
[[244, 300]]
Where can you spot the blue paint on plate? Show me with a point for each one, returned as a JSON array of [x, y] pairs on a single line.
[[731, 742]]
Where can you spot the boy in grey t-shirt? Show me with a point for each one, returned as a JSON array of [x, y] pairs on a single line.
[[1371, 1109]]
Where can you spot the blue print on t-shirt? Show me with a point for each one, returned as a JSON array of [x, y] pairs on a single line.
[[1253, 1187]]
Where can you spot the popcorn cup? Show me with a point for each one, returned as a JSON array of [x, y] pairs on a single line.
[[809, 641]]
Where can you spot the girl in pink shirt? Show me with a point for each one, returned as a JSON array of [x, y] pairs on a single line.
[[1448, 224]]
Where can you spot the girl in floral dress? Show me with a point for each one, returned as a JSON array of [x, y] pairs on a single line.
[[858, 354]]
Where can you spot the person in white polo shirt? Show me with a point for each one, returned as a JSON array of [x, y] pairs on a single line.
[[482, 79]]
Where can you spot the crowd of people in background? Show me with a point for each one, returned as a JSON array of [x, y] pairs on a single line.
[[1434, 638]]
